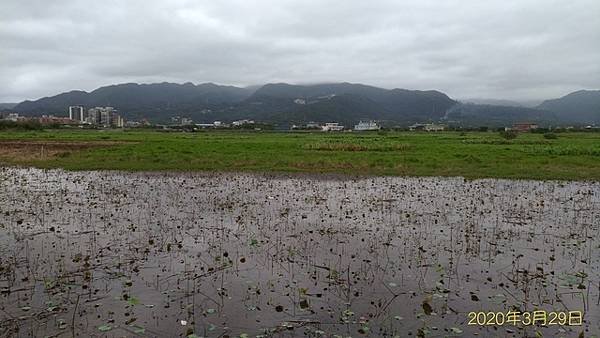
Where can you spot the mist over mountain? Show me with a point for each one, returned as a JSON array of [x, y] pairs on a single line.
[[582, 106], [474, 115], [7, 105], [285, 104], [501, 102]]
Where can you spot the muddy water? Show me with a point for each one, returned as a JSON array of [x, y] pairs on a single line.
[[111, 254]]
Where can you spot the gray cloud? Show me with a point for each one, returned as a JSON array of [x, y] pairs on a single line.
[[514, 49]]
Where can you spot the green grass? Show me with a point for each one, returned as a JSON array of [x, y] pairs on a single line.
[[572, 156]]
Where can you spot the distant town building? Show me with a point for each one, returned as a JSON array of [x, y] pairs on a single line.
[[117, 121], [434, 127], [332, 126], [308, 126], [44, 119], [416, 126], [186, 121], [366, 125], [215, 124], [76, 113], [524, 126], [205, 125], [14, 117], [313, 125], [133, 124], [51, 119], [300, 101], [242, 122], [105, 117], [427, 127], [93, 116]]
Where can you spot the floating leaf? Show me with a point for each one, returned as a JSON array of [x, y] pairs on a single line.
[[133, 301], [498, 299], [138, 329], [427, 308], [348, 313], [104, 328], [456, 330]]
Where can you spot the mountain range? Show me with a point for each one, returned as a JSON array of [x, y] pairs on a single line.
[[7, 106], [582, 106], [285, 104]]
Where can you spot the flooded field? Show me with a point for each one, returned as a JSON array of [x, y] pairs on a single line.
[[109, 254]]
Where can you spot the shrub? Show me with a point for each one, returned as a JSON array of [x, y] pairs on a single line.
[[25, 125], [550, 136], [509, 134]]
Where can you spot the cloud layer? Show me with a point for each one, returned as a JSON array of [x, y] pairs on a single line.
[[513, 49]]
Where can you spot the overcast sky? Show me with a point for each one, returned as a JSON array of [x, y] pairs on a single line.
[[510, 49]]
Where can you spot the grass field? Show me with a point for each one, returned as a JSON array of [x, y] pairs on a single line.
[[572, 156]]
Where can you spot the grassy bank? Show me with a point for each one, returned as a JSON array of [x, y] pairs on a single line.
[[472, 155]]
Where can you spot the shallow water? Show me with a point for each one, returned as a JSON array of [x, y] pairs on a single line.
[[173, 255]]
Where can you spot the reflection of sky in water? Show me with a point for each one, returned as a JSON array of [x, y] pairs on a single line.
[[175, 254]]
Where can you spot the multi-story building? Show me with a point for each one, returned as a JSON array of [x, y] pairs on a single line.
[[117, 121], [76, 113], [242, 122], [367, 125], [332, 126], [92, 116], [105, 117]]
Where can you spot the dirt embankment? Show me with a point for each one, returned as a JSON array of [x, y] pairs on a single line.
[[31, 150]]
